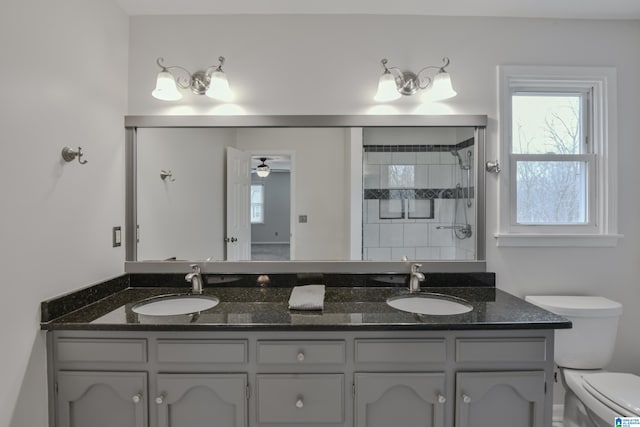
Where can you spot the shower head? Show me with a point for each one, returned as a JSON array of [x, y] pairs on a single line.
[[463, 166], [455, 154]]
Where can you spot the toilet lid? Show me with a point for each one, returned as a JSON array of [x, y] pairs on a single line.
[[622, 389]]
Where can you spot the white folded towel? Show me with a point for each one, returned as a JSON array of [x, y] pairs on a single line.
[[308, 297]]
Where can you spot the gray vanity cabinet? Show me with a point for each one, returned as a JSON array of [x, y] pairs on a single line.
[[101, 399], [515, 399], [195, 400], [402, 399], [362, 378]]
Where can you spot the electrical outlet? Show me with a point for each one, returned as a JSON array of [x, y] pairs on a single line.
[[302, 219], [116, 236]]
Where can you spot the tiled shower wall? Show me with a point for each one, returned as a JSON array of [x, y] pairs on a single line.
[[403, 178]]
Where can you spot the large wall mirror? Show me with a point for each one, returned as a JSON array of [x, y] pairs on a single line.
[[302, 188]]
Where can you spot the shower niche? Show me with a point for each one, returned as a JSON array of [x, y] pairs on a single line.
[[419, 193]]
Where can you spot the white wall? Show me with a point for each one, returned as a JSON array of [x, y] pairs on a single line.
[[330, 65], [64, 83], [182, 218]]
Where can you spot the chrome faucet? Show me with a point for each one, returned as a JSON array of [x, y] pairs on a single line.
[[415, 278], [195, 277]]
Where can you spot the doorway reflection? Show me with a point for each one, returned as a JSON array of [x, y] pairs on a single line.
[[271, 208]]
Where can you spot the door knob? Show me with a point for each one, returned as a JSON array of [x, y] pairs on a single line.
[[493, 167], [137, 398], [299, 402], [160, 399]]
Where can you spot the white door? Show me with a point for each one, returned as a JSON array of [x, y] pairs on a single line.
[[238, 236]]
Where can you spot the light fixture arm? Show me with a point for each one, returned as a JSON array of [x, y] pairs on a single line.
[[199, 82], [397, 72], [182, 81], [409, 83], [429, 79]]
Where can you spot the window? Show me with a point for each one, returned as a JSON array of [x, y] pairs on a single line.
[[558, 148], [257, 203]]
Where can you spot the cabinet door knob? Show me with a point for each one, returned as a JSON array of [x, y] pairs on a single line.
[[137, 398], [160, 399], [466, 399], [442, 399], [299, 402], [300, 356]]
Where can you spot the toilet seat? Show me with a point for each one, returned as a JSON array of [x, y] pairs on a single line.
[[618, 391]]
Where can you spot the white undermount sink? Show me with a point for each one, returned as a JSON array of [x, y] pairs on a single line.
[[432, 304], [172, 305]]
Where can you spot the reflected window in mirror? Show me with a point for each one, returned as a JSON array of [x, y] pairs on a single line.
[[257, 203]]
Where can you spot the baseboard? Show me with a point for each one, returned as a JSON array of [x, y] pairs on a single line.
[[557, 415], [270, 243]]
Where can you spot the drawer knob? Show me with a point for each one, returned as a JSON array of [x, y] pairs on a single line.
[[160, 399], [300, 356], [466, 399], [442, 399], [137, 398], [299, 402]]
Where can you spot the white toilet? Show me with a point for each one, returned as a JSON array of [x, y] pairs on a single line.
[[593, 397]]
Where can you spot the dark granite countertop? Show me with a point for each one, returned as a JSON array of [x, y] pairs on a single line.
[[108, 306]]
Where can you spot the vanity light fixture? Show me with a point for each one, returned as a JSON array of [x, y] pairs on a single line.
[[394, 83], [211, 82], [263, 170]]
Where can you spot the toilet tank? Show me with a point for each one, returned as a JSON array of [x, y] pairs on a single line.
[[590, 342]]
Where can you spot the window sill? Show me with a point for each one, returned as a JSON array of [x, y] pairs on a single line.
[[514, 240]]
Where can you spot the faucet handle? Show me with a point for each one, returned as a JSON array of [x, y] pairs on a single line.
[[195, 268], [415, 267]]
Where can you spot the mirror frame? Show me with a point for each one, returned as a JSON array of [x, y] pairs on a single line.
[[132, 123]]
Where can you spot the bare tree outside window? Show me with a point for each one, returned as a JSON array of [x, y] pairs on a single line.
[[401, 176], [549, 190]]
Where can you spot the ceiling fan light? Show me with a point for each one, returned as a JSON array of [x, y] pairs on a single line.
[[263, 170]]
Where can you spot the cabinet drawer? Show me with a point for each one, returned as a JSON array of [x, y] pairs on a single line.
[[501, 349], [304, 398], [101, 350], [301, 352], [400, 351], [202, 351]]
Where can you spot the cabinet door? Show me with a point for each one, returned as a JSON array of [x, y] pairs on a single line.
[[515, 399], [200, 400], [399, 399], [101, 399]]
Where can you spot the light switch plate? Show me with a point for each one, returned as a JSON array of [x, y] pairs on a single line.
[[116, 236]]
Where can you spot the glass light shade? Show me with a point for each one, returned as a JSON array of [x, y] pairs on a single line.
[[263, 170], [387, 88], [440, 89], [166, 88], [219, 87]]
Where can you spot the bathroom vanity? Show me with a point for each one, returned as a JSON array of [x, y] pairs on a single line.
[[250, 361]]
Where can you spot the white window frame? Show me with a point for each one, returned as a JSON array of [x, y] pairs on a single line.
[[598, 86]]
